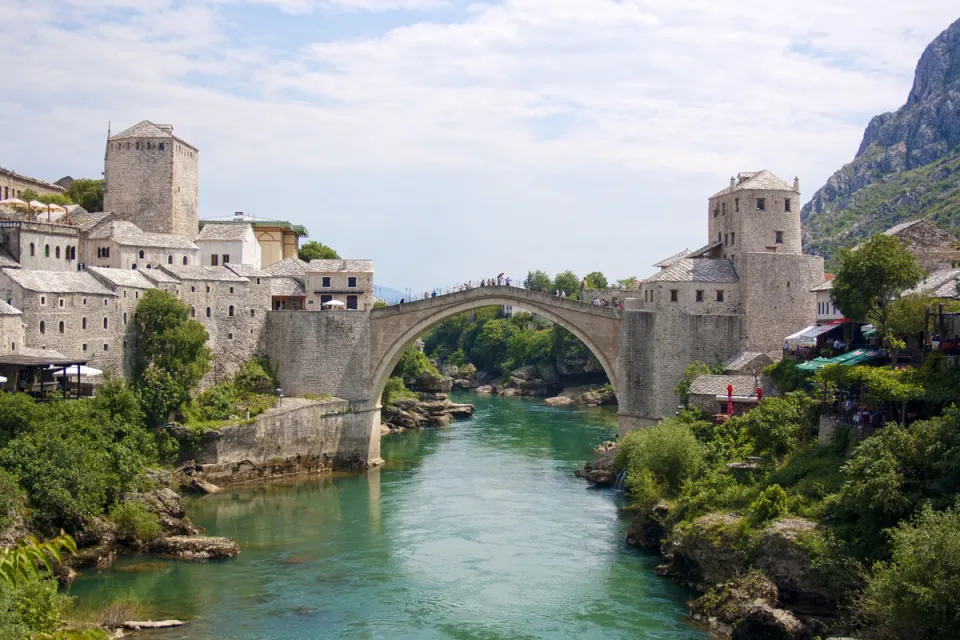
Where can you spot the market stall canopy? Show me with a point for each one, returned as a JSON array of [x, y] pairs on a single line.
[[808, 336], [857, 356]]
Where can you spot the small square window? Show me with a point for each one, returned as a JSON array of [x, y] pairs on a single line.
[[699, 295], [352, 281], [779, 237], [325, 281], [60, 301], [674, 295], [719, 295], [761, 204], [229, 336]]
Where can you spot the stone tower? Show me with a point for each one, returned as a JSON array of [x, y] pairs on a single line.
[[150, 179]]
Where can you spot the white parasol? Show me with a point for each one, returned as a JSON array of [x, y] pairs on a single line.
[[333, 303]]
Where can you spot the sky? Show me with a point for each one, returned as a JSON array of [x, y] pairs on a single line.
[[451, 140]]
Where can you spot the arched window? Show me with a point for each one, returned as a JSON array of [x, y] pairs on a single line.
[[141, 254], [184, 260], [208, 312], [58, 252], [193, 312], [33, 250], [83, 323], [106, 323], [149, 267], [61, 326], [43, 327], [46, 251], [169, 259], [134, 266], [99, 252], [230, 311], [73, 253]]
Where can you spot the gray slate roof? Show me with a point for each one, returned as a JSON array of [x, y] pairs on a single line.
[[286, 286], [826, 286], [158, 276], [711, 385], [941, 283], [663, 264], [760, 181], [287, 267], [7, 261], [58, 281], [130, 235], [88, 219], [344, 266], [224, 232], [122, 277], [697, 270], [247, 270], [144, 129], [9, 310], [196, 272], [903, 226], [739, 361]]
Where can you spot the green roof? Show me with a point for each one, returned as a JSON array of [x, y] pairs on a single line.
[[849, 359]]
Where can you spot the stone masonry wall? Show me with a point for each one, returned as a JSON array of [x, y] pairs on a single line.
[[13, 184], [34, 245], [11, 333], [185, 193], [320, 353], [777, 297], [140, 183]]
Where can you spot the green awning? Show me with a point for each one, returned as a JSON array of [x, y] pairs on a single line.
[[866, 356], [869, 331], [813, 365], [857, 356]]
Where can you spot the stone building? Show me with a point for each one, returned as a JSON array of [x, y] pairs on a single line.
[[11, 328], [119, 244], [278, 240], [12, 185], [223, 244], [934, 248], [39, 245], [128, 286], [150, 179], [69, 312], [347, 281], [288, 287]]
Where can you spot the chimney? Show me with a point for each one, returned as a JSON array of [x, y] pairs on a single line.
[[796, 185], [733, 181]]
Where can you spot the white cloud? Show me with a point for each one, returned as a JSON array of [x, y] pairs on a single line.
[[567, 119]]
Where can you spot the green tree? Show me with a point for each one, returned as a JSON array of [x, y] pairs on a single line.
[[29, 195], [628, 283], [172, 353], [871, 277], [567, 282], [87, 193], [596, 280], [490, 348], [692, 371], [659, 459], [55, 198], [314, 250], [537, 281]]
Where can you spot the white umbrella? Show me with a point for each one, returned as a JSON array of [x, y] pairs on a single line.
[[333, 303], [38, 204], [3, 379], [85, 371], [13, 201]]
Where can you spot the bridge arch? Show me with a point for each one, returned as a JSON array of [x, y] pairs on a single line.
[[395, 329]]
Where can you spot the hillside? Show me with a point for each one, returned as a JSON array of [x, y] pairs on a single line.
[[908, 164]]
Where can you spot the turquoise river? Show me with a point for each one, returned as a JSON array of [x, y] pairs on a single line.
[[479, 530]]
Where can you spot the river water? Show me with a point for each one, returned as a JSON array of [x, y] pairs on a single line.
[[475, 531]]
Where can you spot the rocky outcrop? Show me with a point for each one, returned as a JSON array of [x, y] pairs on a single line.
[[168, 507], [649, 527], [195, 547], [431, 383], [783, 552], [600, 471], [414, 414], [597, 397], [559, 401], [764, 622], [724, 605], [862, 197], [708, 551]]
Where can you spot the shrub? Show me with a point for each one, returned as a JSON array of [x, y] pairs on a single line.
[[218, 403], [395, 390], [770, 504], [779, 425], [414, 363], [715, 490], [135, 523], [917, 593], [11, 499], [120, 609], [255, 376], [691, 372], [786, 376], [668, 452]]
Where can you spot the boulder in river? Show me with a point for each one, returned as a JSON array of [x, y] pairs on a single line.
[[195, 547], [724, 605], [764, 622], [600, 471], [559, 401]]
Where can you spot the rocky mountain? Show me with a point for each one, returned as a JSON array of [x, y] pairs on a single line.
[[908, 164]]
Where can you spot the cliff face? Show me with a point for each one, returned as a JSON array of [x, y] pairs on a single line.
[[908, 164]]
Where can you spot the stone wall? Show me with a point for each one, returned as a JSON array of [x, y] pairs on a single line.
[[298, 437], [777, 297], [186, 196], [320, 353], [743, 228], [11, 333], [35, 245], [12, 185], [128, 257]]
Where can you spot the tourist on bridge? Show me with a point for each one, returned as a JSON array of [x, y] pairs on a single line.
[[508, 281]]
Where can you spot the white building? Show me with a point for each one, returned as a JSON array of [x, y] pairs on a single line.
[[347, 281], [827, 311], [222, 244]]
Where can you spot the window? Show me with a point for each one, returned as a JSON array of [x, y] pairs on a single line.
[[674, 295], [258, 280], [719, 236], [57, 252], [208, 312], [124, 293], [733, 238], [149, 267], [761, 204], [726, 239], [60, 301], [779, 237], [324, 299], [230, 311], [61, 327], [214, 260], [134, 266], [106, 347], [736, 205], [83, 323], [33, 250], [136, 294], [229, 336], [84, 346], [43, 299], [124, 317], [352, 282], [184, 260], [106, 252], [105, 302], [169, 259], [84, 301], [719, 295], [106, 322], [43, 327], [231, 289], [226, 258], [716, 211], [724, 205], [325, 281], [208, 288], [160, 146], [193, 312], [252, 312], [352, 302], [786, 205], [141, 254], [193, 288], [46, 251], [699, 295]]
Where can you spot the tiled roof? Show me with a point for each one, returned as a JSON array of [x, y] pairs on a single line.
[[663, 264], [122, 277], [826, 286], [903, 226], [130, 235], [7, 261], [196, 272], [57, 281], [738, 362], [158, 276], [942, 284], [345, 266], [702, 251], [9, 310], [299, 229], [759, 181], [247, 270], [711, 385], [222, 232], [88, 220], [287, 267], [286, 286], [144, 129], [697, 270]]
